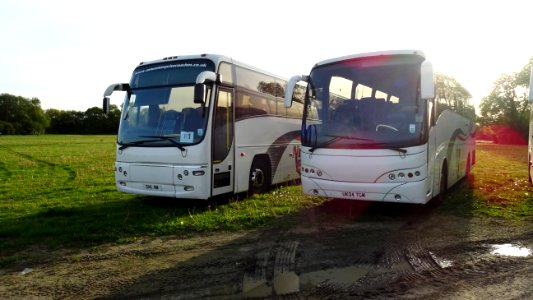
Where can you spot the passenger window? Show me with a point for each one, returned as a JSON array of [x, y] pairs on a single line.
[[223, 131], [380, 94], [226, 72], [363, 91], [340, 86]]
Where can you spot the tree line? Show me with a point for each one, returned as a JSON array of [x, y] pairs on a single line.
[[505, 111], [19, 115]]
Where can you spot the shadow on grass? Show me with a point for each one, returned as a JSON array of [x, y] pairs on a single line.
[[126, 220], [111, 221]]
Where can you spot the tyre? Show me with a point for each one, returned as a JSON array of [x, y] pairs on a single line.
[[259, 176]]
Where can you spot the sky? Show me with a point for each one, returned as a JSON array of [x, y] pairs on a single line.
[[66, 53]]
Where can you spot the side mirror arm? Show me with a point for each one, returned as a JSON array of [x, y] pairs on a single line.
[[289, 91], [110, 89]]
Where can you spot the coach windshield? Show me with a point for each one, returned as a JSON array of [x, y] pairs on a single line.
[[159, 109], [368, 103]]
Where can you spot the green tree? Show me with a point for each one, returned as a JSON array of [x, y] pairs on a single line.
[[92, 121], [65, 122], [96, 122], [19, 115], [450, 93], [507, 102], [522, 77], [112, 120]]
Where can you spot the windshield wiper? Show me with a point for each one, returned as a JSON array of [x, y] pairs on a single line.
[[167, 138], [124, 146], [401, 150]]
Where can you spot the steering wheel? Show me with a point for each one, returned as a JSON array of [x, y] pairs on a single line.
[[386, 126]]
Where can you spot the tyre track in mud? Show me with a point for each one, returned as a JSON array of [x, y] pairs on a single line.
[[311, 255], [387, 260], [331, 257], [466, 280], [339, 271], [211, 270]]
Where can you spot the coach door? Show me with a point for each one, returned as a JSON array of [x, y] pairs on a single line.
[[222, 154]]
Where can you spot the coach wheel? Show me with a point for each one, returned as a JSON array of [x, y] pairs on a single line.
[[259, 176]]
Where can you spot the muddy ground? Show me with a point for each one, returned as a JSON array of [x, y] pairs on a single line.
[[338, 250]]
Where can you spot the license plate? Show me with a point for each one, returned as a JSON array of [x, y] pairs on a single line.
[[357, 195], [152, 187]]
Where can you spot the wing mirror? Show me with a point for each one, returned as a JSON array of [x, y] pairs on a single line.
[[201, 80], [110, 89]]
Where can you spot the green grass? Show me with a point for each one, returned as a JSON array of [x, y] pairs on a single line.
[[60, 191], [498, 186]]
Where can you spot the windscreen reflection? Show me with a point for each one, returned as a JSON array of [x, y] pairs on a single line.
[[163, 112], [365, 103]]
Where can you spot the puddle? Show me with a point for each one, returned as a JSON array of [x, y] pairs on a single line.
[[338, 276], [256, 287], [510, 250], [288, 282], [255, 284]]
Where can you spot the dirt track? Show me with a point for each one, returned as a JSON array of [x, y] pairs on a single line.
[[338, 250]]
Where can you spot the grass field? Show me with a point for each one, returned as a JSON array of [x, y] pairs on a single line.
[[59, 191], [498, 186]]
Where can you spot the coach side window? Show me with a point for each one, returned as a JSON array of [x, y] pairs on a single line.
[[223, 132]]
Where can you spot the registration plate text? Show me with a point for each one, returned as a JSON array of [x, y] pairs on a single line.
[[357, 195]]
